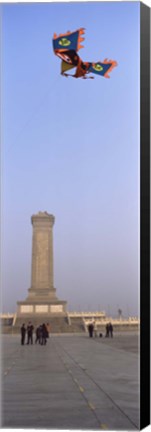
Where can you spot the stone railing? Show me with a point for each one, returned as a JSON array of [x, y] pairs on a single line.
[[7, 315], [87, 317], [117, 322], [91, 315]]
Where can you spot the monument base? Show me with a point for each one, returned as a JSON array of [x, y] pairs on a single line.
[[41, 307], [53, 312], [41, 302]]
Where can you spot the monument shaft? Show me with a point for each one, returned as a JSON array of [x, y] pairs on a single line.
[[42, 252]]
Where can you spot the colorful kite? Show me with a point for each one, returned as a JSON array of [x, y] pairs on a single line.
[[66, 47]]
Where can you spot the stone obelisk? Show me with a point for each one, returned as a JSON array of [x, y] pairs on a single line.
[[42, 294], [42, 256]]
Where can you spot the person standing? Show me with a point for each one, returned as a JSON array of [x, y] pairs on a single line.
[[37, 335], [44, 334], [107, 330], [95, 329], [111, 329], [23, 334], [40, 334], [30, 329], [90, 329]]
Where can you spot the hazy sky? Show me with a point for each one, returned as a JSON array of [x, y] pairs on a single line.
[[71, 148]]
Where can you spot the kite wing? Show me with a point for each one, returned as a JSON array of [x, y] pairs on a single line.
[[102, 68], [70, 41], [66, 46]]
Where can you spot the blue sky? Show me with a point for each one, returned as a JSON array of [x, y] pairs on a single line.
[[71, 148]]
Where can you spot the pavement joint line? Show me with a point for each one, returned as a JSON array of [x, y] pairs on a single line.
[[91, 406], [82, 391], [81, 388], [100, 388], [76, 381], [13, 363], [104, 426], [7, 370], [10, 367]]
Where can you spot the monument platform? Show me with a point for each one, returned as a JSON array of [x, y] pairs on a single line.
[[73, 382]]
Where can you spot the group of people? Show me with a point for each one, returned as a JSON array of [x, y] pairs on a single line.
[[43, 330], [92, 329], [42, 333]]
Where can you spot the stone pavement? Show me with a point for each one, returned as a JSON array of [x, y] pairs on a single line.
[[73, 382]]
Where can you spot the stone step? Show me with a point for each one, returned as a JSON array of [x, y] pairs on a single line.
[[57, 324]]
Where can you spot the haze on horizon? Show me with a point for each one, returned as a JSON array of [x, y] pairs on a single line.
[[71, 148]]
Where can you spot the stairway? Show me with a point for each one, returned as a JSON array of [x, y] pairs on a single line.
[[58, 324], [77, 324]]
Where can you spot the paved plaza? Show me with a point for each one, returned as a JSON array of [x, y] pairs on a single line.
[[73, 382]]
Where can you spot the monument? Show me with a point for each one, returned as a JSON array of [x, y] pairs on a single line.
[[41, 302]]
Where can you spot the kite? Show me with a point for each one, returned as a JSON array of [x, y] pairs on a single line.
[[66, 47]]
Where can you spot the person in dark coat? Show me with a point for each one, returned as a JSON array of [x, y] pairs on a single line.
[[110, 329], [23, 334], [90, 329], [37, 334], [44, 334], [30, 330], [107, 330], [40, 334]]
